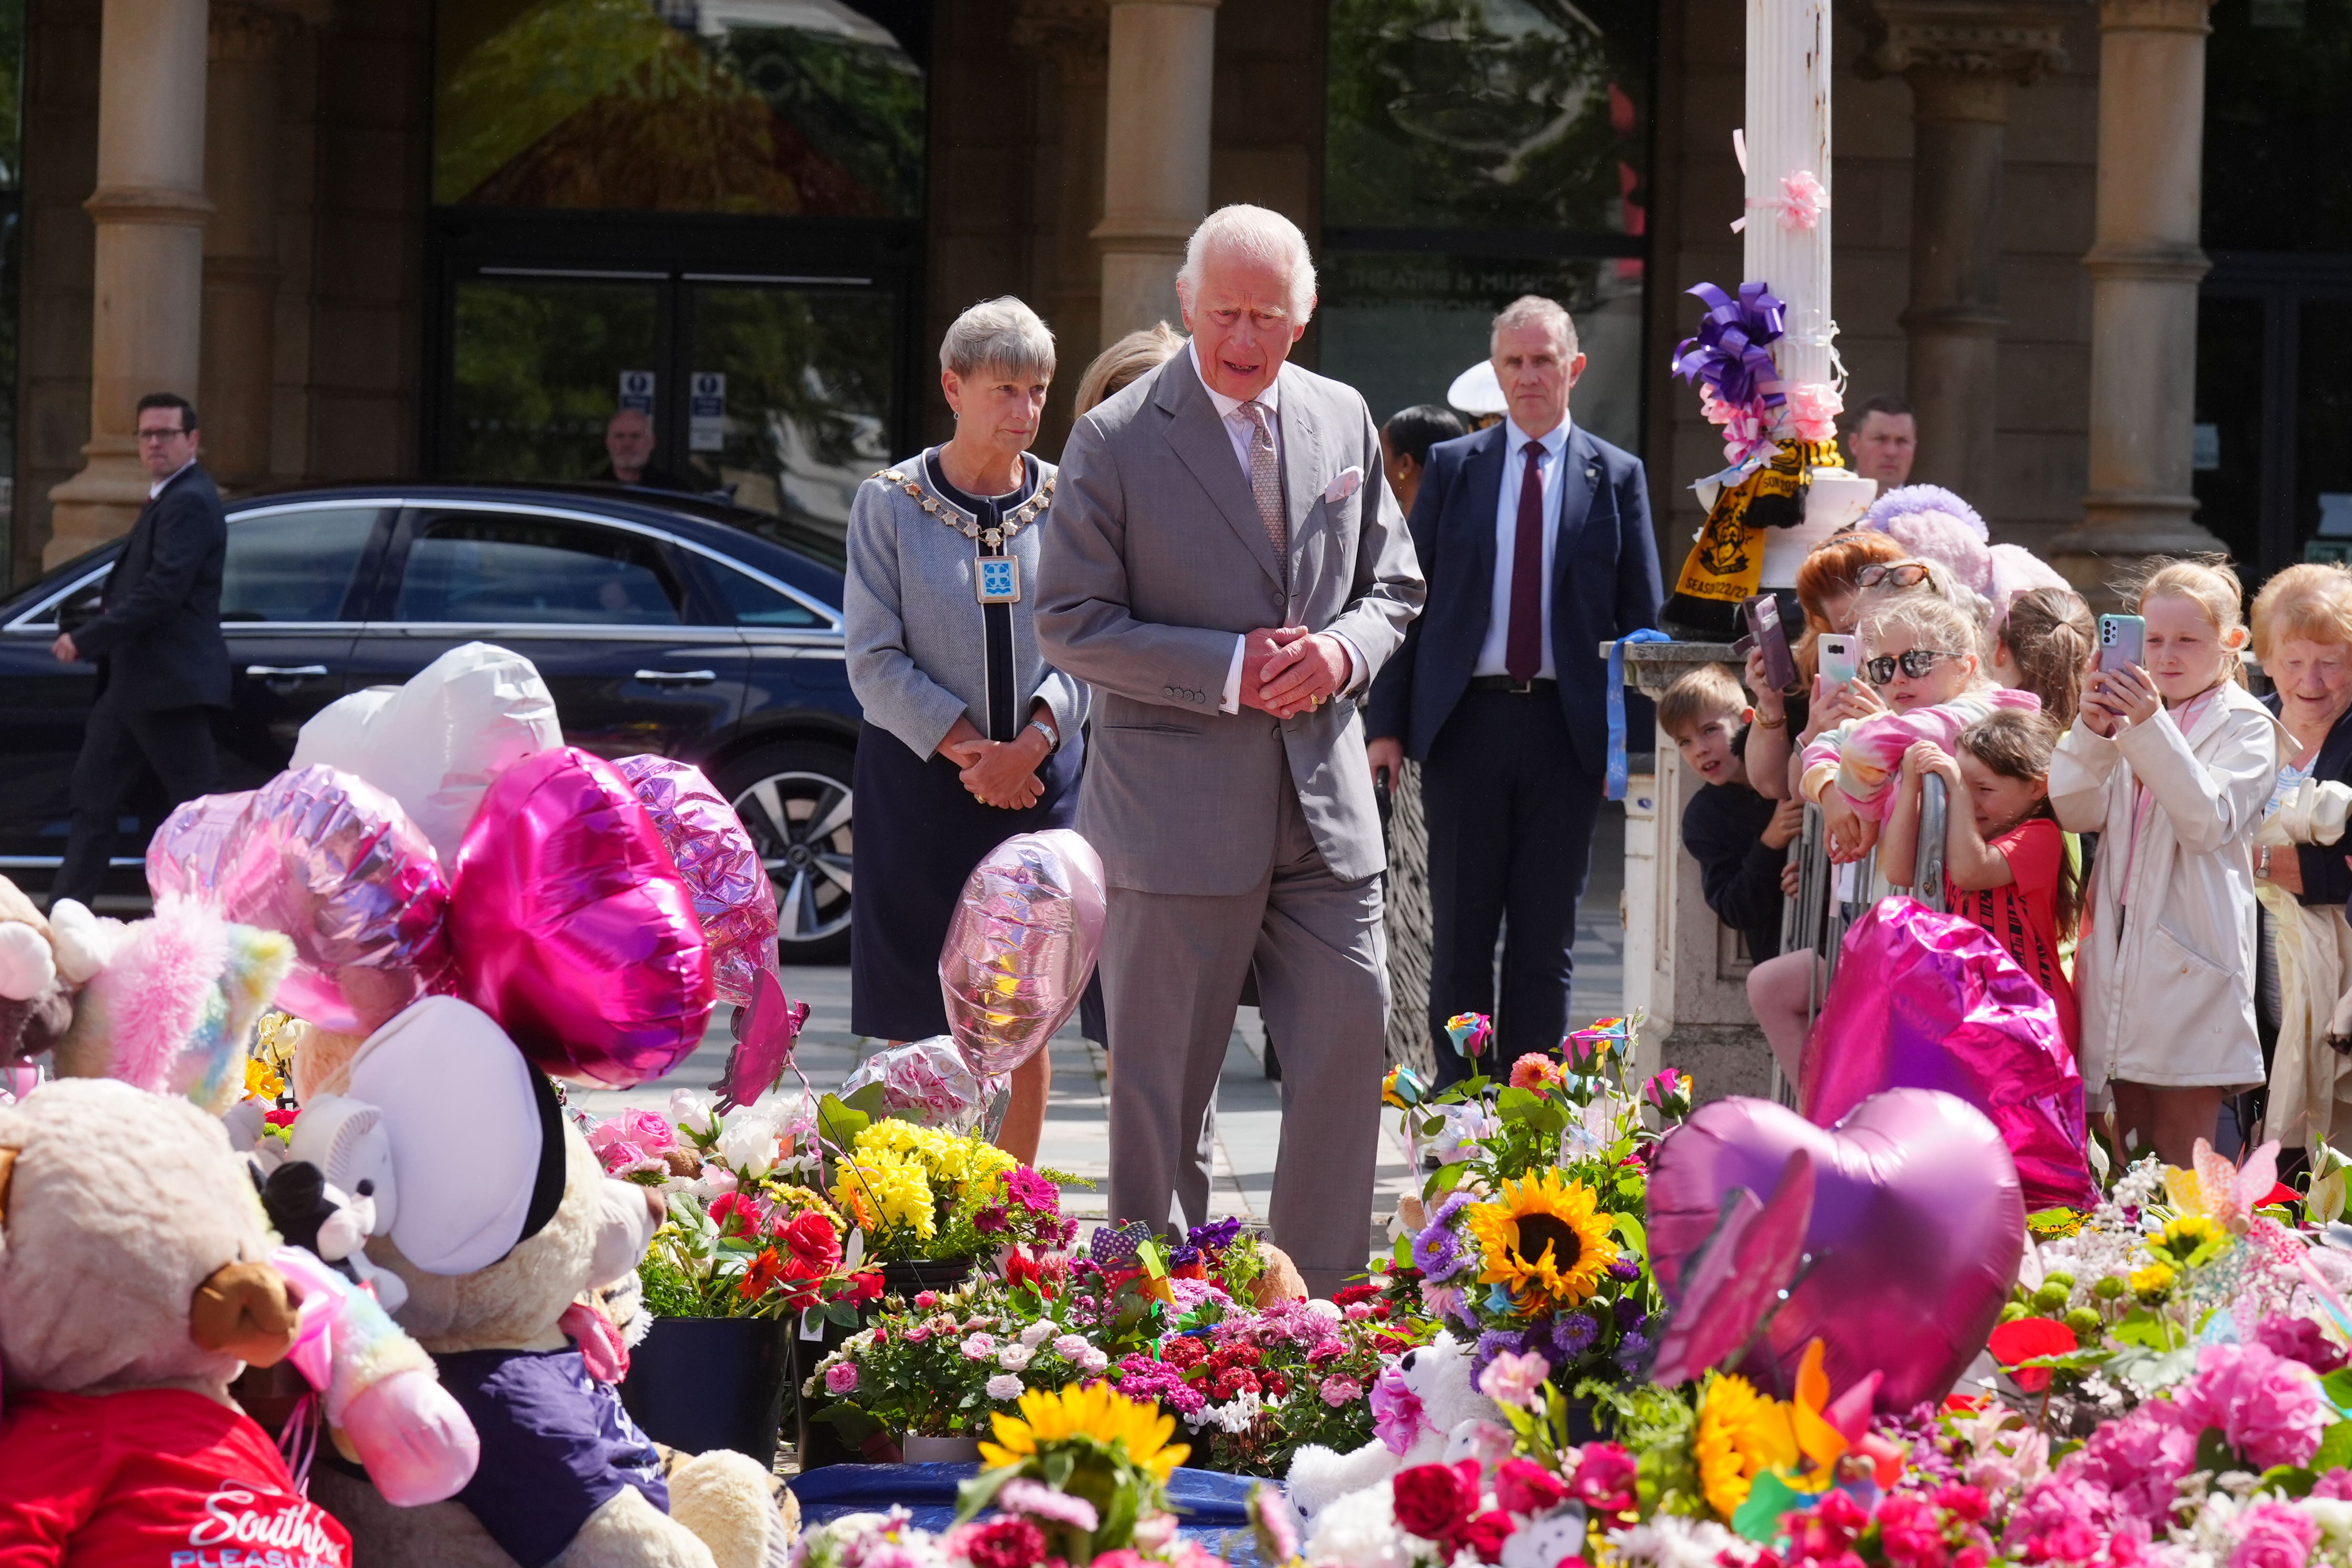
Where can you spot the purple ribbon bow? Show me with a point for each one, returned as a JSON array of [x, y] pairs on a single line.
[[1730, 353]]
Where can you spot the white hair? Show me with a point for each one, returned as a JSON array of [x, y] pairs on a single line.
[[1253, 234], [1535, 311], [1002, 334]]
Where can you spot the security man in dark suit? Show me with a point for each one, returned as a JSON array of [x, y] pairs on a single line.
[[1535, 538], [163, 666]]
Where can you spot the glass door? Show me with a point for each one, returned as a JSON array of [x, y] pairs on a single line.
[[789, 390], [540, 363]]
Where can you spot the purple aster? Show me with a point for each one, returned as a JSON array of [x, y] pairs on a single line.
[[1629, 1313], [1437, 1253], [1494, 1342], [1625, 1268], [1216, 1236], [1632, 1349], [1572, 1334]]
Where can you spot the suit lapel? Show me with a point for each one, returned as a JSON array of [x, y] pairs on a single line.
[[1580, 470], [1483, 474], [1199, 439], [1302, 469]]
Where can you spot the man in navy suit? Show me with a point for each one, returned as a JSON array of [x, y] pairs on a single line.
[[1535, 538], [163, 665]]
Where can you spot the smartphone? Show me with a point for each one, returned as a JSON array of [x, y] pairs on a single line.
[[1840, 660], [2123, 639], [1764, 631]]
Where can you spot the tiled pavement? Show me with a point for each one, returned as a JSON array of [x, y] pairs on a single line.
[[1249, 1108]]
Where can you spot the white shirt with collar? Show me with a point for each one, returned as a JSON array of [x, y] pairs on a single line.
[[1493, 653], [157, 487], [1242, 430]]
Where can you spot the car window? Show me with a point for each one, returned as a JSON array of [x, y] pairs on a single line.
[[293, 566], [757, 604], [485, 567]]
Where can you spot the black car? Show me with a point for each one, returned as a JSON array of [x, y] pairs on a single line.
[[661, 624]]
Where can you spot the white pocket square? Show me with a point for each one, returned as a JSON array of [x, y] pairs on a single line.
[[1349, 481]]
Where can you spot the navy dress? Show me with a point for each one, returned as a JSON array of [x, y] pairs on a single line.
[[919, 834]]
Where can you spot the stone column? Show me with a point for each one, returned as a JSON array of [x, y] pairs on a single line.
[[2144, 265], [240, 266], [1074, 37], [1155, 154], [150, 211], [1959, 57]]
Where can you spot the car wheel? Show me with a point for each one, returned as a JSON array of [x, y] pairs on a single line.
[[794, 799]]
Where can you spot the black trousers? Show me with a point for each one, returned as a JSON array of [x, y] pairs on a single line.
[[1510, 812], [175, 742]]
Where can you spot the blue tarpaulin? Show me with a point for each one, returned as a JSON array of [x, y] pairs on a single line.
[[1213, 1506]]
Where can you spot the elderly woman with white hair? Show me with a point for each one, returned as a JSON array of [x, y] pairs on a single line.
[[969, 737]]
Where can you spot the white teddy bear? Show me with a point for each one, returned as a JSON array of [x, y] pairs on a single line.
[[1452, 1410]]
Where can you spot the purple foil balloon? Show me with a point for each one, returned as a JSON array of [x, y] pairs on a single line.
[[1738, 1278], [1021, 946], [732, 896], [1930, 1001], [572, 927], [1916, 1235], [334, 864]]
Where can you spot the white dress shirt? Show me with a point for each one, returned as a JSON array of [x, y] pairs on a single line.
[[157, 487], [1492, 654], [1242, 430]]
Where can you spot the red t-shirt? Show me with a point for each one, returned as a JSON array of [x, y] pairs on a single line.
[[160, 1477], [2023, 916]]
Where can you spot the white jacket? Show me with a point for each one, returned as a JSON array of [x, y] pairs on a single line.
[[2173, 1004]]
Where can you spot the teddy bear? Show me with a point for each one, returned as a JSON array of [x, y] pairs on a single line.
[[35, 991], [134, 1287], [1433, 1384], [498, 1218]]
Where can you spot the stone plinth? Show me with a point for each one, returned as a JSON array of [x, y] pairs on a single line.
[[1682, 967]]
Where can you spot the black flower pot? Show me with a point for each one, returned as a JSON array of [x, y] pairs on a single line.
[[698, 1383], [904, 1279], [819, 1442]]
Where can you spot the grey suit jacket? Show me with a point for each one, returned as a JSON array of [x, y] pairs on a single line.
[[1155, 559]]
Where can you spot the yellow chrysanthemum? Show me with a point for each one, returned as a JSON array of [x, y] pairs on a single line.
[[1093, 1410], [946, 1159], [2185, 1235], [1546, 1241], [1742, 1435], [2153, 1280], [884, 1194]]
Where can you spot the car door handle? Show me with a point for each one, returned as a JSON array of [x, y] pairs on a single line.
[[677, 677], [286, 672]]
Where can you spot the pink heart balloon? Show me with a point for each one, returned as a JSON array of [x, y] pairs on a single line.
[[1739, 1275], [572, 927], [720, 865], [1924, 1000], [1916, 1232]]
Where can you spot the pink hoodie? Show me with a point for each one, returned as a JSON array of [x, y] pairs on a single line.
[[1859, 757]]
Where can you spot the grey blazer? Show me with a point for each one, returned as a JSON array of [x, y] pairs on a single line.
[[916, 642], [1155, 560]]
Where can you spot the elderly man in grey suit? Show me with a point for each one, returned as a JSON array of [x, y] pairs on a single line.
[[1225, 566]]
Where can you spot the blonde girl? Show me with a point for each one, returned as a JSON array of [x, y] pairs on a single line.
[[2172, 763], [2045, 646]]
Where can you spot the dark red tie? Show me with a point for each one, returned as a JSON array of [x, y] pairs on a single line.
[[1523, 650]]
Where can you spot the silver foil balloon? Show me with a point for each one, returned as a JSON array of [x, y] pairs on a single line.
[[929, 1083], [1021, 946]]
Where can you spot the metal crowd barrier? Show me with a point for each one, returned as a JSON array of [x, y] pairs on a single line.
[[1830, 898]]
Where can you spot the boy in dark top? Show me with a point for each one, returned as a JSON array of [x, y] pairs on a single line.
[[1739, 838]]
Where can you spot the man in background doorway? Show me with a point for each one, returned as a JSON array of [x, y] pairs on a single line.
[[1883, 441], [629, 446], [163, 665]]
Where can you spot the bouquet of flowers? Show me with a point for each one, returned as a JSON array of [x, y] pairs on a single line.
[[942, 1365], [1530, 1236], [921, 1192]]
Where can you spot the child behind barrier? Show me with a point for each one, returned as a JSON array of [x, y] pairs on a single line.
[[2173, 763], [1739, 838], [2005, 863]]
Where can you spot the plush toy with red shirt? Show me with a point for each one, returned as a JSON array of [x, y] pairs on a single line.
[[134, 1286]]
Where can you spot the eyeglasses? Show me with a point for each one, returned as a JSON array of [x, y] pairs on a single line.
[[1902, 575], [1915, 663], [159, 434]]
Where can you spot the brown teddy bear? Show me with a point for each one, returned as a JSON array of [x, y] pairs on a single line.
[[500, 1218], [133, 1288], [36, 995]]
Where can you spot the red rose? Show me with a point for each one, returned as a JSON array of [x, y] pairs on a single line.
[[1484, 1535], [1390, 1344], [811, 1238], [1433, 1501], [1353, 1293], [1524, 1487], [864, 1286]]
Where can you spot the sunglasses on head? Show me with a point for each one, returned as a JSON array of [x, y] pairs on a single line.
[[1902, 575], [1915, 663]]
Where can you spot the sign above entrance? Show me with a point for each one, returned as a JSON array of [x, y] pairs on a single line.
[[637, 390], [707, 411]]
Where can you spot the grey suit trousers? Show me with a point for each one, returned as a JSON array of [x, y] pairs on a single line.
[[1172, 964]]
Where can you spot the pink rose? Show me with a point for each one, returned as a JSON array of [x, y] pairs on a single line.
[[841, 1378], [1339, 1391], [2274, 1535]]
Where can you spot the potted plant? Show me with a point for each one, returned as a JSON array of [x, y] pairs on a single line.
[[746, 1258]]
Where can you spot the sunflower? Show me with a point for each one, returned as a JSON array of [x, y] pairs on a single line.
[[1742, 1435], [1546, 1241], [1094, 1410]]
